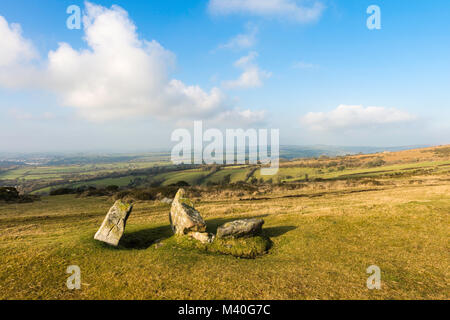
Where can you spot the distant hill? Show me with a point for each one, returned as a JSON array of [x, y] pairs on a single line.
[[293, 152], [286, 151]]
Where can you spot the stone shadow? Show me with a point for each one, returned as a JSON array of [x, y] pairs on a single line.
[[274, 232], [143, 239]]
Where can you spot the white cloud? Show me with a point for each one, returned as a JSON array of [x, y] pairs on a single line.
[[252, 75], [304, 65], [16, 54], [14, 49], [246, 60], [243, 117], [121, 75], [354, 117], [244, 40], [302, 11], [233, 118], [117, 76]]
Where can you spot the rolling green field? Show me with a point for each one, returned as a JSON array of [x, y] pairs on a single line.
[[239, 173], [43, 179], [44, 172]]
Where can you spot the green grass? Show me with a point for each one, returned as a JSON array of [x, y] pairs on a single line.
[[189, 176], [120, 182], [298, 173], [237, 173], [295, 173], [58, 172]]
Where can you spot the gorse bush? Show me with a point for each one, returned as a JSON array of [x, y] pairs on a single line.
[[11, 194], [86, 191], [62, 191], [147, 194], [376, 163], [180, 184], [8, 194]]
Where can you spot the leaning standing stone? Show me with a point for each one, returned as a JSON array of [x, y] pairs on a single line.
[[240, 228], [183, 216], [113, 226]]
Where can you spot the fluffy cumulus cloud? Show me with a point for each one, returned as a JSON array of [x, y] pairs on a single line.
[[251, 77], [14, 49], [121, 75], [302, 11], [16, 54], [354, 117], [118, 75]]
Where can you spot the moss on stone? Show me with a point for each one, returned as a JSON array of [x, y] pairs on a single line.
[[187, 202], [123, 205], [249, 248]]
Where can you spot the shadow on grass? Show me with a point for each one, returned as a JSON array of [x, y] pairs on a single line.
[[143, 239], [274, 232]]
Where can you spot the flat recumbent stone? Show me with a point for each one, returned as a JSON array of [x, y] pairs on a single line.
[[240, 228]]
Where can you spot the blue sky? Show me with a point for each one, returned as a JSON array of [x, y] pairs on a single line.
[[324, 79]]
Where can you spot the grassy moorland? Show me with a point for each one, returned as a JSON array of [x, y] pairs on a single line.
[[325, 233]]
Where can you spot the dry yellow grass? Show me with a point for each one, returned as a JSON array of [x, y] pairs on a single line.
[[324, 235], [322, 246]]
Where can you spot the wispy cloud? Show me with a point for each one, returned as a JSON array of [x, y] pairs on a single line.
[[295, 10], [251, 77], [354, 117], [304, 65], [243, 40]]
